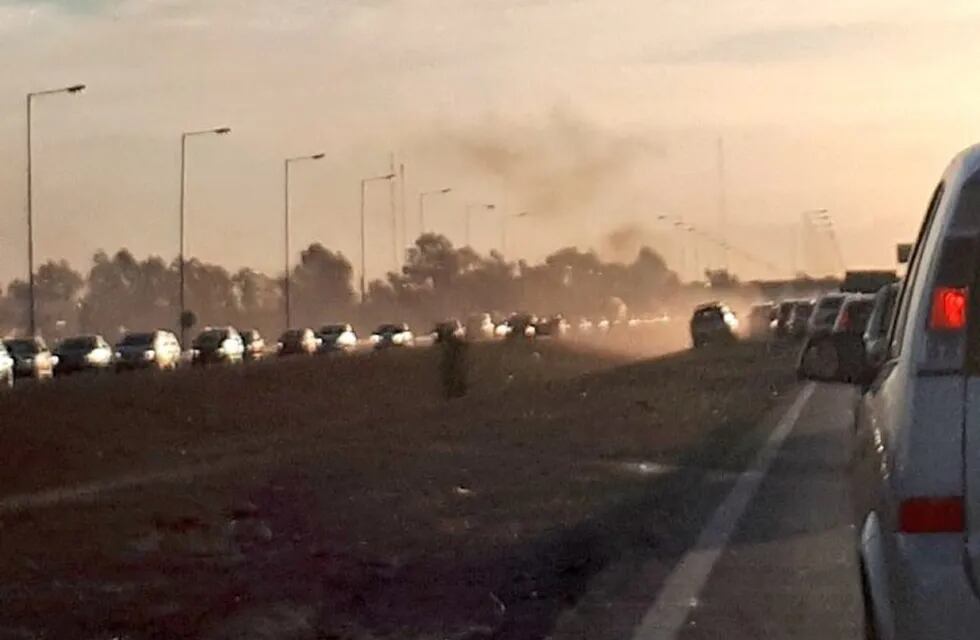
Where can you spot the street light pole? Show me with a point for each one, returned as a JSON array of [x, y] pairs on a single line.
[[286, 163], [422, 197], [31, 313], [469, 221], [364, 182], [503, 228], [183, 198]]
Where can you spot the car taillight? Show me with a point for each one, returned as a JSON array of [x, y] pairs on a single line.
[[948, 309], [932, 515]]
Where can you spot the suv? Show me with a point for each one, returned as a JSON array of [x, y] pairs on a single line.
[[298, 342], [156, 349], [337, 338], [712, 323], [31, 358], [83, 353], [917, 431], [218, 345]]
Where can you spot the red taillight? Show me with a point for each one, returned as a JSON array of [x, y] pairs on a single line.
[[948, 309], [931, 515]]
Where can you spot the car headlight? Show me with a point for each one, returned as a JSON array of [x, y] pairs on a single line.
[[119, 355], [278, 346], [149, 354], [398, 338], [375, 338]]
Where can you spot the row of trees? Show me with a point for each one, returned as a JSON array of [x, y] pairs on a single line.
[[438, 280]]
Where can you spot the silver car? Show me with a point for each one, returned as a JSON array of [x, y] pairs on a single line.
[[917, 449], [825, 312]]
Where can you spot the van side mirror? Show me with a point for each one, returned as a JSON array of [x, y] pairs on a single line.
[[836, 357]]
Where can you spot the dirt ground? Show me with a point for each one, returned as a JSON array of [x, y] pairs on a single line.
[[346, 498]]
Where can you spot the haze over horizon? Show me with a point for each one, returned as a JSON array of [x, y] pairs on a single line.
[[593, 117]]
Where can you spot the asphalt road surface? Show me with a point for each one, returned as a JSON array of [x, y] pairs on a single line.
[[775, 558]]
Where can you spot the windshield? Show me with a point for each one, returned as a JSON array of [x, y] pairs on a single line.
[[21, 347], [484, 319], [137, 340], [81, 343]]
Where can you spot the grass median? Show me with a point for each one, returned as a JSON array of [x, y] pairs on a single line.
[[354, 501]]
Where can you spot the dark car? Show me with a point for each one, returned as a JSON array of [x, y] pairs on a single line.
[[32, 359], [799, 318], [761, 317], [298, 342], [218, 345], [555, 326], [254, 344], [522, 325], [6, 369], [854, 314], [155, 349], [337, 338], [449, 330], [83, 353], [876, 332], [392, 335], [713, 323]]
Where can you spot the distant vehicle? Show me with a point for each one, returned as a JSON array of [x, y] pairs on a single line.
[[83, 353], [554, 326], [585, 326], [783, 313], [6, 369], [392, 335], [479, 326], [32, 359], [298, 342], [799, 318], [156, 349], [218, 345], [760, 320], [337, 338], [713, 323], [254, 344], [876, 332], [522, 325], [867, 280], [854, 314], [449, 330], [825, 312]]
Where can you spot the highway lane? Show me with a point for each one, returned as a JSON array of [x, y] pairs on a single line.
[[789, 570]]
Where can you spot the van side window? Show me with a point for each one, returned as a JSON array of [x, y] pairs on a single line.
[[901, 315]]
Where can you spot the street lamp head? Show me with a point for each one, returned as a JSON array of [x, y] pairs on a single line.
[[490, 207], [390, 176], [76, 88], [317, 156], [446, 190], [222, 130]]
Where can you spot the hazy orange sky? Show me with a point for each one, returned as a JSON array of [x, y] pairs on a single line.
[[592, 114]]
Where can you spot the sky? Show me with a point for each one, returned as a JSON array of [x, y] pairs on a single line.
[[594, 116]]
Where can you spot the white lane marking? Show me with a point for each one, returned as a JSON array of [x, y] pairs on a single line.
[[666, 618]]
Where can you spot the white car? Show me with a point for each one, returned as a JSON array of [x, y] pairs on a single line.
[[917, 450]]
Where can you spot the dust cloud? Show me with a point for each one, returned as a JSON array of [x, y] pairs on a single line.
[[553, 167]]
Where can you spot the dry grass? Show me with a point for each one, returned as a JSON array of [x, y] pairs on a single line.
[[371, 505]]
